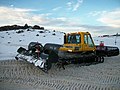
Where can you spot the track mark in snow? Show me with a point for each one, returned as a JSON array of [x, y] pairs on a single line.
[[74, 77]]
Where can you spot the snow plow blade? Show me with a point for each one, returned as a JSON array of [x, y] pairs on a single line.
[[39, 59]]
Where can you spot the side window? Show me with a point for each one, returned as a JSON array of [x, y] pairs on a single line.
[[85, 39], [90, 42], [69, 39], [78, 39]]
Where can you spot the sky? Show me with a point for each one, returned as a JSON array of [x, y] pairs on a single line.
[[95, 16]]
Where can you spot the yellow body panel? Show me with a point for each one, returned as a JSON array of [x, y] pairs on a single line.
[[79, 47]]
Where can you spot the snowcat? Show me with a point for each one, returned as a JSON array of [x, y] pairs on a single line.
[[78, 47]]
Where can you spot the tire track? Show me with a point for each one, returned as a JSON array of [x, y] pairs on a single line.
[[104, 76], [57, 84]]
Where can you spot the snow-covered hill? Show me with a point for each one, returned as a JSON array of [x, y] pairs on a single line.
[[10, 41]]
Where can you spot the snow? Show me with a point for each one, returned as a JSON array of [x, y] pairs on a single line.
[[10, 41], [108, 41]]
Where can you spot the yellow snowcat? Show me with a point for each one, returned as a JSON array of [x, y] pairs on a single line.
[[78, 47]]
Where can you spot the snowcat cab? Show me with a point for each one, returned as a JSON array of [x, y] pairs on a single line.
[[77, 46], [78, 42]]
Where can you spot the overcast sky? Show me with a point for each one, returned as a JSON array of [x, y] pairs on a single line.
[[95, 16]]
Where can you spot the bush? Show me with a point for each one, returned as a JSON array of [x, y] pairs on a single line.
[[53, 34], [36, 27], [20, 40], [41, 31], [42, 28], [37, 35], [20, 31], [9, 42], [2, 37], [28, 29], [25, 26], [16, 27]]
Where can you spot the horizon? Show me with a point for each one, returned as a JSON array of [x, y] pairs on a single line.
[[43, 28], [96, 17]]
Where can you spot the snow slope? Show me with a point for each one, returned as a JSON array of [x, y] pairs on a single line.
[[10, 41]]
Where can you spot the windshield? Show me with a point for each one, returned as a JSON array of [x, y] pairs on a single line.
[[74, 39]]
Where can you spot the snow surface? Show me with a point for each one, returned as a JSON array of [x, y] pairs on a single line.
[[108, 41], [10, 41]]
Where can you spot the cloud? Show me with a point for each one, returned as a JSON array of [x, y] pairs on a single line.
[[11, 5], [96, 13], [77, 5], [108, 18], [56, 9], [94, 30], [111, 18], [12, 15], [74, 6], [69, 5], [9, 16]]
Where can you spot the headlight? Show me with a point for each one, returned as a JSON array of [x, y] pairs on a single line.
[[69, 50]]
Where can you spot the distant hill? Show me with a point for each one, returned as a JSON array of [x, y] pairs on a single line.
[[16, 27]]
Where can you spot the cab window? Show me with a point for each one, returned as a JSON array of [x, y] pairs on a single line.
[[90, 42], [74, 39], [85, 39]]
